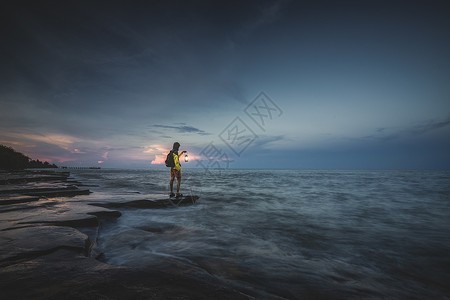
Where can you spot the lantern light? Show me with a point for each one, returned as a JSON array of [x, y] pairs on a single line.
[[186, 158]]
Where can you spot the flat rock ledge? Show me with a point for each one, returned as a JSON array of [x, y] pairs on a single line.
[[63, 274], [32, 176], [51, 262], [17, 199], [48, 247], [39, 183], [32, 242], [148, 203]]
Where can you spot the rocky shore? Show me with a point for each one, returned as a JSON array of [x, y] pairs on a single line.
[[48, 247]]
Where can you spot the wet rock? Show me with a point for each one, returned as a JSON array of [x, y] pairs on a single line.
[[31, 176], [106, 214], [88, 221], [55, 190], [69, 192], [63, 275], [42, 261], [17, 199], [31, 242], [39, 183], [54, 211], [27, 188], [145, 203]]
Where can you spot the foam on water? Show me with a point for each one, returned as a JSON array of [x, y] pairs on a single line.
[[338, 234]]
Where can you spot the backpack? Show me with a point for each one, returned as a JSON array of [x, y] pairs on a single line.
[[169, 160]]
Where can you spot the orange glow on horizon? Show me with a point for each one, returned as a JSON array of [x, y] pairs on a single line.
[[27, 143], [54, 160], [63, 141], [74, 149], [64, 159], [161, 158]]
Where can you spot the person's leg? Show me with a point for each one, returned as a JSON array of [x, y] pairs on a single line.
[[178, 184], [171, 182]]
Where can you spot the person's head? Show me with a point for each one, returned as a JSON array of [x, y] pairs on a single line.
[[176, 146]]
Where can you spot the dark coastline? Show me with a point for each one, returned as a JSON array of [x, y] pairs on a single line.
[[49, 250]]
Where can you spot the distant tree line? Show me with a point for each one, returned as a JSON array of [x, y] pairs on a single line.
[[13, 160]]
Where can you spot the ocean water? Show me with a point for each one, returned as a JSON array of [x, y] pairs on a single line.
[[293, 234]]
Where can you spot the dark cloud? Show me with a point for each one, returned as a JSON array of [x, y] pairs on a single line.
[[76, 51], [102, 72], [378, 136], [430, 126], [183, 129], [385, 134], [264, 141]]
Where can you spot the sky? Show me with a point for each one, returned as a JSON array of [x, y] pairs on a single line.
[[240, 84]]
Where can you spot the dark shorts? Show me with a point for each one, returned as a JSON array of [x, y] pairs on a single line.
[[175, 173]]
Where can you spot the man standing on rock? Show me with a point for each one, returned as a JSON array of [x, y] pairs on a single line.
[[175, 171]]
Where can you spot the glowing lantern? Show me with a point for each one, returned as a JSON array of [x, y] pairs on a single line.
[[186, 158]]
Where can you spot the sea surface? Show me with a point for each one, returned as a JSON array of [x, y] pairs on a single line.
[[293, 234]]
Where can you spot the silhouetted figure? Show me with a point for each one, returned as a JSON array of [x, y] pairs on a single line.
[[176, 170]]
